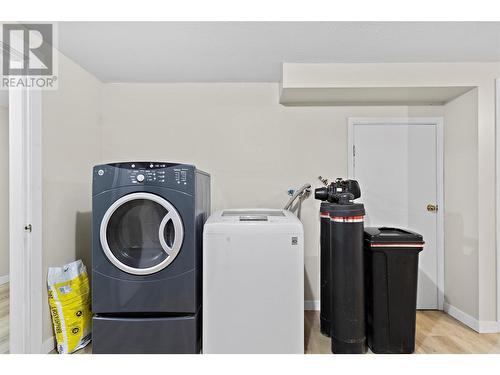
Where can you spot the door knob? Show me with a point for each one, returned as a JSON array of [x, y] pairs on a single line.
[[432, 207]]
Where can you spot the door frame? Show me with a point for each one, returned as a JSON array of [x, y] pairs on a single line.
[[25, 208], [497, 151], [438, 123]]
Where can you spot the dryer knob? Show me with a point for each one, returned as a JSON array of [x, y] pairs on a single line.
[[140, 177]]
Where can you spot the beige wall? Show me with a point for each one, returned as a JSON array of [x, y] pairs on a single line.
[[254, 148], [481, 174], [460, 211], [70, 147], [4, 191], [461, 208]]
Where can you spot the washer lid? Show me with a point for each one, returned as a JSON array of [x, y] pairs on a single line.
[[245, 212], [254, 220]]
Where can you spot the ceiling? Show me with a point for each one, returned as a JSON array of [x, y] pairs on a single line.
[[254, 51]]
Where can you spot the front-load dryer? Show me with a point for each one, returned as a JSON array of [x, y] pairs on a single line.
[[147, 225]]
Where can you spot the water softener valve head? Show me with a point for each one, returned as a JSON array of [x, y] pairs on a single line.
[[345, 198], [339, 191], [321, 193]]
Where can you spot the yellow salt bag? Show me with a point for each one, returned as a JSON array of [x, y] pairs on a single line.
[[69, 301]]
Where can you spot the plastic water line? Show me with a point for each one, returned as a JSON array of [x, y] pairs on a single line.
[[301, 194]]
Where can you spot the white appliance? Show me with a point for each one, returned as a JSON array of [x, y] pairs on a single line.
[[253, 282]]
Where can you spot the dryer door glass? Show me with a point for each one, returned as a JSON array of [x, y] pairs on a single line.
[[141, 233]]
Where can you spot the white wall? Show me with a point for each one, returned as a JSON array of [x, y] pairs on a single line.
[[4, 98], [461, 208], [480, 75], [71, 145], [254, 148], [4, 192]]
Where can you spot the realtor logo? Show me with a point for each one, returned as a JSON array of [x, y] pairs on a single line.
[[28, 55]]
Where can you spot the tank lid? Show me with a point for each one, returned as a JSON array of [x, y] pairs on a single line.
[[393, 236]]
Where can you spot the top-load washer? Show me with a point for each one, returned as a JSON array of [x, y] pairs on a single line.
[[147, 220], [253, 282]]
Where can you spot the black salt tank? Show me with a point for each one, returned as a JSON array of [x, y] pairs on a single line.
[[391, 264]]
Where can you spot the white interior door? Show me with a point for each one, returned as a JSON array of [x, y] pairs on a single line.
[[396, 164]]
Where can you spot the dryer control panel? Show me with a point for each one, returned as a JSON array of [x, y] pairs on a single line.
[[145, 175], [171, 175]]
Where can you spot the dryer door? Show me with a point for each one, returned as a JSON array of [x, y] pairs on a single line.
[[141, 233]]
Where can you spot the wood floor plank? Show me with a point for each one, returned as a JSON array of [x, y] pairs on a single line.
[[437, 333], [4, 318]]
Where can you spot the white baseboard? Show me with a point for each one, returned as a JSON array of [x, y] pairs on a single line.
[[489, 327], [461, 316], [475, 324], [48, 345], [4, 279], [311, 305]]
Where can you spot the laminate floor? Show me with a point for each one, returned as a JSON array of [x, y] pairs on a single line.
[[437, 333], [4, 318]]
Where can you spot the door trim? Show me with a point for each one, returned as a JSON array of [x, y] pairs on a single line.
[[497, 149], [25, 208], [438, 123]]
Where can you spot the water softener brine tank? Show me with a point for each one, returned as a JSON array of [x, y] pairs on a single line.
[[342, 282]]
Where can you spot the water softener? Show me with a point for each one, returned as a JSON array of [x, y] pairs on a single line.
[[324, 314], [342, 283]]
